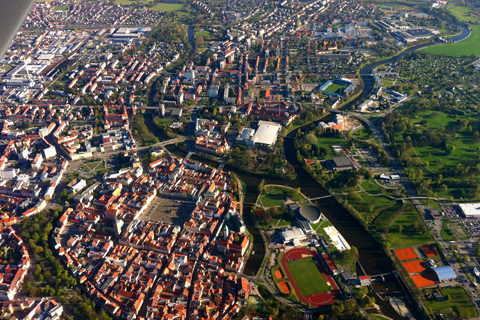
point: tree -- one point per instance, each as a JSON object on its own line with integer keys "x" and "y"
{"x": 63, "y": 196}
{"x": 261, "y": 185}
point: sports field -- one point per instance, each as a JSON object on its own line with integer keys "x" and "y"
{"x": 415, "y": 266}
{"x": 406, "y": 254}
{"x": 301, "y": 270}
{"x": 424, "y": 280}
{"x": 463, "y": 48}
{"x": 278, "y": 274}
{"x": 429, "y": 250}
{"x": 336, "y": 88}
{"x": 307, "y": 276}
{"x": 283, "y": 286}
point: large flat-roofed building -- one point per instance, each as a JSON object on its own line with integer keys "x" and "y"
{"x": 340, "y": 164}
{"x": 246, "y": 137}
{"x": 413, "y": 35}
{"x": 470, "y": 210}
{"x": 267, "y": 133}
{"x": 293, "y": 234}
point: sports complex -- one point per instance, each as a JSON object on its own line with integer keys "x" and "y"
{"x": 309, "y": 278}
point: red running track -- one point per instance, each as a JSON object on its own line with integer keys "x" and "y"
{"x": 315, "y": 300}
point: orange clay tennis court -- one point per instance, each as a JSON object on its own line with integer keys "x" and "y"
{"x": 423, "y": 280}
{"x": 414, "y": 266}
{"x": 283, "y": 286}
{"x": 278, "y": 274}
{"x": 406, "y": 254}
{"x": 429, "y": 251}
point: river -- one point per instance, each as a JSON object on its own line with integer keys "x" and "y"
{"x": 12, "y": 14}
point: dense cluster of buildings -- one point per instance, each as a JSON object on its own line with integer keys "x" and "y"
{"x": 174, "y": 270}
{"x": 60, "y": 13}
{"x": 45, "y": 308}
{"x": 12, "y": 272}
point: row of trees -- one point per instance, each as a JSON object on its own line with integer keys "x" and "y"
{"x": 141, "y": 132}
{"x": 50, "y": 278}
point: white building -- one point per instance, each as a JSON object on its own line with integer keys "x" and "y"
{"x": 470, "y": 210}
{"x": 213, "y": 92}
{"x": 9, "y": 173}
{"x": 267, "y": 133}
{"x": 293, "y": 234}
{"x": 37, "y": 162}
{"x": 190, "y": 75}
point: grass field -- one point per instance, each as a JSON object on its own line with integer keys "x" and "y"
{"x": 327, "y": 143}
{"x": 307, "y": 276}
{"x": 255, "y": 302}
{"x": 463, "y": 48}
{"x": 459, "y": 230}
{"x": 376, "y": 210}
{"x": 463, "y": 14}
{"x": 436, "y": 160}
{"x": 124, "y": 2}
{"x": 272, "y": 200}
{"x": 363, "y": 134}
{"x": 206, "y": 34}
{"x": 94, "y": 167}
{"x": 168, "y": 7}
{"x": 275, "y": 195}
{"x": 409, "y": 236}
{"x": 457, "y": 304}
{"x": 446, "y": 232}
{"x": 61, "y": 8}
{"x": 336, "y": 88}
